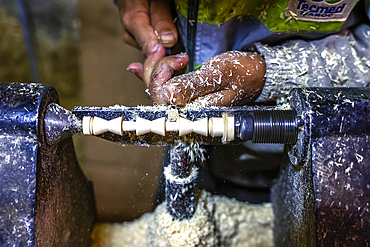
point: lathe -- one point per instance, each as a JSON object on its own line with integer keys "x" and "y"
{"x": 321, "y": 197}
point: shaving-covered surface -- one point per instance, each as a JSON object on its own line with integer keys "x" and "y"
{"x": 218, "y": 221}
{"x": 340, "y": 60}
{"x": 125, "y": 234}
{"x": 197, "y": 231}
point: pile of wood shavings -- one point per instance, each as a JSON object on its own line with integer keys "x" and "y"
{"x": 218, "y": 221}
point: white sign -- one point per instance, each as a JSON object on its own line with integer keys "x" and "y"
{"x": 320, "y": 10}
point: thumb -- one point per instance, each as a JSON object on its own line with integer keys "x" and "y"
{"x": 136, "y": 22}
{"x": 162, "y": 74}
{"x": 161, "y": 21}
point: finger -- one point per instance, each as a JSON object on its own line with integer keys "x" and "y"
{"x": 155, "y": 55}
{"x": 181, "y": 89}
{"x": 226, "y": 97}
{"x": 162, "y": 74}
{"x": 176, "y": 62}
{"x": 210, "y": 90}
{"x": 239, "y": 72}
{"x": 130, "y": 40}
{"x": 162, "y": 22}
{"x": 137, "y": 69}
{"x": 155, "y": 59}
{"x": 135, "y": 19}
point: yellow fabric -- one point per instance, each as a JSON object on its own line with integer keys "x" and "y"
{"x": 270, "y": 12}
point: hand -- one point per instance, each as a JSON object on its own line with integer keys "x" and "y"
{"x": 149, "y": 28}
{"x": 156, "y": 63}
{"x": 231, "y": 78}
{"x": 145, "y": 25}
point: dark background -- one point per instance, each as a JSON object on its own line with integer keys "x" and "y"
{"x": 79, "y": 50}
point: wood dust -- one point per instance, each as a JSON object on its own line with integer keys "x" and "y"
{"x": 218, "y": 221}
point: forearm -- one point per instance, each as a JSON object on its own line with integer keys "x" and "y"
{"x": 336, "y": 60}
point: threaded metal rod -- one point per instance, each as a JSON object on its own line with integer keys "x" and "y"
{"x": 269, "y": 126}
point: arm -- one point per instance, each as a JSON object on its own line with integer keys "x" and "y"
{"x": 337, "y": 60}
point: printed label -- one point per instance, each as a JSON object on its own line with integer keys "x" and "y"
{"x": 320, "y": 10}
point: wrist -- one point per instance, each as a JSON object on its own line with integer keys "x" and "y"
{"x": 282, "y": 72}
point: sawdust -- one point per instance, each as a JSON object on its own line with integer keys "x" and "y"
{"x": 218, "y": 221}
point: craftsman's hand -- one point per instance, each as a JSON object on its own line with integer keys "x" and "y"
{"x": 231, "y": 78}
{"x": 149, "y": 28}
{"x": 155, "y": 62}
{"x": 145, "y": 25}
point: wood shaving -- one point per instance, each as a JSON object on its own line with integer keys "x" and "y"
{"x": 218, "y": 221}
